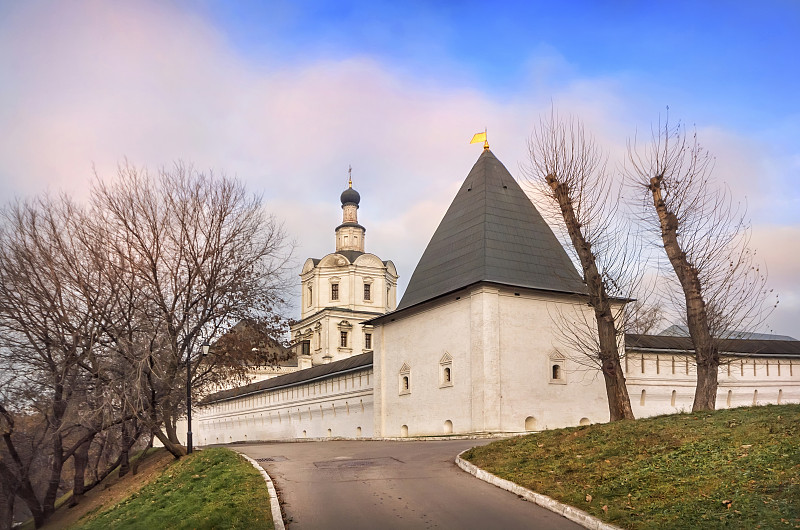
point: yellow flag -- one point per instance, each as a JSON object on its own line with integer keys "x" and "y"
{"x": 478, "y": 137}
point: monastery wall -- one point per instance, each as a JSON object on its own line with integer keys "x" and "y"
{"x": 512, "y": 378}
{"x": 339, "y": 406}
{"x": 665, "y": 383}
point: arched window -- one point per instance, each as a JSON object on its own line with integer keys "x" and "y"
{"x": 446, "y": 371}
{"x": 555, "y": 372}
{"x": 405, "y": 379}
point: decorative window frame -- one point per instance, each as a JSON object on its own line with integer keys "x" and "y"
{"x": 446, "y": 371}
{"x": 367, "y": 282}
{"x": 404, "y": 380}
{"x": 558, "y": 360}
{"x": 337, "y": 281}
{"x": 345, "y": 326}
{"x": 367, "y": 330}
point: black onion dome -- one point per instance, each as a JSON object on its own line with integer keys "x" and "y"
{"x": 350, "y": 196}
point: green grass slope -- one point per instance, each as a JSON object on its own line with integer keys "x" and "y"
{"x": 213, "y": 488}
{"x": 736, "y": 468}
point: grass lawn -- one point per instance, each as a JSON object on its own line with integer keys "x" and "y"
{"x": 213, "y": 488}
{"x": 736, "y": 468}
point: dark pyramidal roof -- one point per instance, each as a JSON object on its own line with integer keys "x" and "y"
{"x": 491, "y": 232}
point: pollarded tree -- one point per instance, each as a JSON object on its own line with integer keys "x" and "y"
{"x": 568, "y": 168}
{"x": 706, "y": 239}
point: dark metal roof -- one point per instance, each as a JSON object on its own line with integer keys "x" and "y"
{"x": 351, "y": 255}
{"x": 356, "y": 362}
{"x": 775, "y": 348}
{"x": 491, "y": 232}
{"x": 683, "y": 331}
{"x": 350, "y": 196}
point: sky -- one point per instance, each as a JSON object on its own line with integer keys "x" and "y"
{"x": 286, "y": 95}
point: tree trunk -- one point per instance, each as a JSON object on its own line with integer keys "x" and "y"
{"x": 619, "y": 403}
{"x": 705, "y": 395}
{"x": 57, "y": 464}
{"x": 135, "y": 465}
{"x": 170, "y": 425}
{"x": 19, "y": 482}
{"x": 59, "y": 408}
{"x": 176, "y": 449}
{"x": 6, "y": 506}
{"x": 80, "y": 460}
{"x": 124, "y": 458}
{"x": 705, "y": 349}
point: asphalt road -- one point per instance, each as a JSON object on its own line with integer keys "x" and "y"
{"x": 382, "y": 485}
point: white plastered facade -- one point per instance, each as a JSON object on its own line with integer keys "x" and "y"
{"x": 500, "y": 347}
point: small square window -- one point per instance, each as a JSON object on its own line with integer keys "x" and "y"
{"x": 367, "y": 292}
{"x": 334, "y": 291}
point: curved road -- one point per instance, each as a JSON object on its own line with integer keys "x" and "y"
{"x": 380, "y": 485}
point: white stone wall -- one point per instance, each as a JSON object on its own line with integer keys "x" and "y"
{"x": 668, "y": 382}
{"x": 502, "y": 347}
{"x": 339, "y": 406}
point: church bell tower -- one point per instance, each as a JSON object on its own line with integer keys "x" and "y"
{"x": 340, "y": 291}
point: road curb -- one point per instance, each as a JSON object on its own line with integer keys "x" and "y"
{"x": 565, "y": 510}
{"x": 274, "y": 505}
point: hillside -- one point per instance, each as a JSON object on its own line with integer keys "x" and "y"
{"x": 735, "y": 468}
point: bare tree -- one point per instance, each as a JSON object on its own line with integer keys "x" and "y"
{"x": 568, "y": 168}
{"x": 642, "y": 317}
{"x": 200, "y": 254}
{"x": 101, "y": 308}
{"x": 47, "y": 334}
{"x": 706, "y": 239}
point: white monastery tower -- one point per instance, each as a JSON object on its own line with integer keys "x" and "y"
{"x": 340, "y": 291}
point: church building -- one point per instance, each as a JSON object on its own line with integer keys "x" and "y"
{"x": 474, "y": 345}
{"x": 340, "y": 291}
